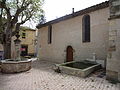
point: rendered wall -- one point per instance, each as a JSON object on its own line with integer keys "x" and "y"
{"x": 29, "y": 40}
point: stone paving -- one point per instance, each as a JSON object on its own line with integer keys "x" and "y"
{"x": 42, "y": 77}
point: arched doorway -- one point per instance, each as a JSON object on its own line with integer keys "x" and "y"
{"x": 69, "y": 54}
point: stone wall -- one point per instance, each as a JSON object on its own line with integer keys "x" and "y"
{"x": 114, "y": 7}
{"x": 69, "y": 32}
{"x": 113, "y": 59}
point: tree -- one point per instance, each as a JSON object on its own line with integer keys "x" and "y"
{"x": 14, "y": 13}
{"x": 42, "y": 19}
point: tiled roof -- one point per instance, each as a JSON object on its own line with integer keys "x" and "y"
{"x": 78, "y": 13}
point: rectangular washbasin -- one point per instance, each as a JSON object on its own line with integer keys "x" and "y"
{"x": 78, "y": 68}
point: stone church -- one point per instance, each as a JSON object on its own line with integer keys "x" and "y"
{"x": 94, "y": 31}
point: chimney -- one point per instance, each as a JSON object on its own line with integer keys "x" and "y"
{"x": 72, "y": 10}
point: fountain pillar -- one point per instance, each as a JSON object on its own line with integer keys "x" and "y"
{"x": 17, "y": 47}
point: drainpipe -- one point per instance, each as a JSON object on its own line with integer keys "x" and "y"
{"x": 72, "y": 10}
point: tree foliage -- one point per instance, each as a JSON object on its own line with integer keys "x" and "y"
{"x": 14, "y": 13}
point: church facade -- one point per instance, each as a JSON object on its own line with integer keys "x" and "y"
{"x": 94, "y": 31}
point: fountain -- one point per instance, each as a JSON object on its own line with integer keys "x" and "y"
{"x": 80, "y": 68}
{"x": 17, "y": 64}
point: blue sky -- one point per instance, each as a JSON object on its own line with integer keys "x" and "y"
{"x": 57, "y": 8}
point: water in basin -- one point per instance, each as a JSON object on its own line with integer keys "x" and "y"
{"x": 80, "y": 65}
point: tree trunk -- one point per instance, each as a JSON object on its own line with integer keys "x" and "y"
{"x": 7, "y": 50}
{"x": 7, "y": 44}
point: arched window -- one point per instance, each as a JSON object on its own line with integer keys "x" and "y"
{"x": 49, "y": 34}
{"x": 86, "y": 28}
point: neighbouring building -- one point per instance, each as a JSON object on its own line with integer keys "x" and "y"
{"x": 77, "y": 36}
{"x": 28, "y": 46}
{"x": 27, "y": 37}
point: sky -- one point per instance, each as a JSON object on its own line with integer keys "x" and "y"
{"x": 57, "y": 8}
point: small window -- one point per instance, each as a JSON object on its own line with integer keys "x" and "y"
{"x": 86, "y": 28}
{"x": 49, "y": 34}
{"x": 23, "y": 35}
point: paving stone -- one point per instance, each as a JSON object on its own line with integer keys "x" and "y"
{"x": 43, "y": 77}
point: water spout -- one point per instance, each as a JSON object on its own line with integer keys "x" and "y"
{"x": 94, "y": 57}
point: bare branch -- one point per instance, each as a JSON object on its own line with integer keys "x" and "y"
{"x": 17, "y": 3}
{"x": 26, "y": 18}
{"x": 1, "y": 12}
{"x": 23, "y": 21}
{"x": 1, "y": 22}
{"x": 23, "y": 3}
{"x": 22, "y": 15}
{"x": 3, "y": 5}
{"x": 0, "y": 4}
{"x": 17, "y": 29}
{"x": 19, "y": 10}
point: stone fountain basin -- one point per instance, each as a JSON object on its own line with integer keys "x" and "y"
{"x": 78, "y": 68}
{"x": 11, "y": 66}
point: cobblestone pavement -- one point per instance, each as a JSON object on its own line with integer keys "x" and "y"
{"x": 42, "y": 77}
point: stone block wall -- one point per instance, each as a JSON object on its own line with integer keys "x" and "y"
{"x": 113, "y": 58}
